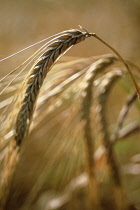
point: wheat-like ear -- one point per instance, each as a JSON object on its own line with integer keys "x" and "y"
{"x": 123, "y": 113}
{"x": 102, "y": 92}
{"x": 32, "y": 86}
{"x": 127, "y": 131}
{"x": 87, "y": 94}
{"x": 37, "y": 75}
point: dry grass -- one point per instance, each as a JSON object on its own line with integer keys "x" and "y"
{"x": 63, "y": 117}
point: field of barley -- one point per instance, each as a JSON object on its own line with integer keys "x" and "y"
{"x": 69, "y": 105}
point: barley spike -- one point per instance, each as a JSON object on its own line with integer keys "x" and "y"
{"x": 37, "y": 75}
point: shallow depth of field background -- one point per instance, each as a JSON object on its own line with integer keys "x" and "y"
{"x": 24, "y": 22}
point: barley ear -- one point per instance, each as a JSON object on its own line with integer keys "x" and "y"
{"x": 123, "y": 113}
{"x": 87, "y": 94}
{"x": 102, "y": 93}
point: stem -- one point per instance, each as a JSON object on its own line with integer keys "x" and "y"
{"x": 123, "y": 61}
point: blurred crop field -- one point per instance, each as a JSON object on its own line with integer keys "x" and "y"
{"x": 51, "y": 173}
